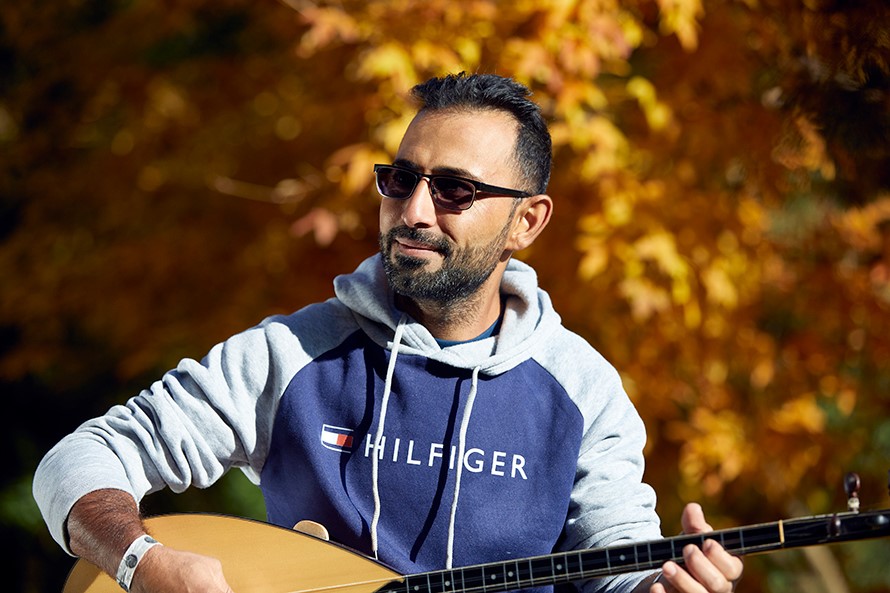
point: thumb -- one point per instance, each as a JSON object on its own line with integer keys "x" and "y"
{"x": 693, "y": 519}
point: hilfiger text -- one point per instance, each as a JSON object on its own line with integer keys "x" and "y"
{"x": 410, "y": 452}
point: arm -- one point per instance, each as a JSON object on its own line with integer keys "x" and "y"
{"x": 611, "y": 505}
{"x": 185, "y": 430}
{"x": 103, "y": 523}
{"x": 710, "y": 569}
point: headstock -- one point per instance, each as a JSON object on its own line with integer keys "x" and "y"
{"x": 852, "y": 484}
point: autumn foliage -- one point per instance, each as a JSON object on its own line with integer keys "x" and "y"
{"x": 170, "y": 173}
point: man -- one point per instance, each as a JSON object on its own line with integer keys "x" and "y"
{"x": 434, "y": 414}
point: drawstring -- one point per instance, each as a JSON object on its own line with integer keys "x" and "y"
{"x": 461, "y": 447}
{"x": 378, "y": 439}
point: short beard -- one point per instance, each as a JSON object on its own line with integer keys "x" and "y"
{"x": 462, "y": 274}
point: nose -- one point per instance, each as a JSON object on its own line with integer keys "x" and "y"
{"x": 419, "y": 210}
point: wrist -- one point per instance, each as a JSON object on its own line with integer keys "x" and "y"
{"x": 132, "y": 558}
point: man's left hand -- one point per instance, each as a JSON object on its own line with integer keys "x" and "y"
{"x": 709, "y": 569}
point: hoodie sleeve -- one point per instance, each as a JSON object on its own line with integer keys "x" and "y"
{"x": 610, "y": 504}
{"x": 187, "y": 429}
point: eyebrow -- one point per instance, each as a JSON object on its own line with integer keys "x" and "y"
{"x": 453, "y": 171}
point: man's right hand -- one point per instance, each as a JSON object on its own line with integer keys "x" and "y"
{"x": 166, "y": 570}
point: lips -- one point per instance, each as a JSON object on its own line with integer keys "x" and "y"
{"x": 416, "y": 242}
{"x": 407, "y": 246}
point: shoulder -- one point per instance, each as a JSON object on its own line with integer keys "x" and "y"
{"x": 316, "y": 322}
{"x": 592, "y": 382}
{"x": 575, "y": 363}
{"x": 286, "y": 342}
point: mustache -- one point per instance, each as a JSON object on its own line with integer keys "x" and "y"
{"x": 426, "y": 238}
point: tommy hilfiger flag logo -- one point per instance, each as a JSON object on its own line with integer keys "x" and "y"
{"x": 336, "y": 438}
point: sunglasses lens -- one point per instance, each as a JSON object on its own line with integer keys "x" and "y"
{"x": 448, "y": 192}
{"x": 453, "y": 193}
{"x": 396, "y": 183}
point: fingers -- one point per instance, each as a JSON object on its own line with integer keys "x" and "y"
{"x": 730, "y": 567}
{"x": 710, "y": 569}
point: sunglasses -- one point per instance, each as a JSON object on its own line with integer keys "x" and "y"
{"x": 448, "y": 191}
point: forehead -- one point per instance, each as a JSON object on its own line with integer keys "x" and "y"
{"x": 480, "y": 143}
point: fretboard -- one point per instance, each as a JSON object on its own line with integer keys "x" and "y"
{"x": 581, "y": 565}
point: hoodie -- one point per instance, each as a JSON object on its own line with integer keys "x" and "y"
{"x": 349, "y": 413}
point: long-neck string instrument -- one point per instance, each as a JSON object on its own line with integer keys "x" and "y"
{"x": 262, "y": 558}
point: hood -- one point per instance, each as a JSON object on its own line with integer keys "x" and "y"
{"x": 529, "y": 319}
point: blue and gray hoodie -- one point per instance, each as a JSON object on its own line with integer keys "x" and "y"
{"x": 349, "y": 413}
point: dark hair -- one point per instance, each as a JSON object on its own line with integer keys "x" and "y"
{"x": 490, "y": 91}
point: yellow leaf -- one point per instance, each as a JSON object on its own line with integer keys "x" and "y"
{"x": 658, "y": 115}
{"x": 389, "y": 61}
{"x": 618, "y": 208}
{"x": 719, "y": 286}
{"x": 680, "y": 17}
{"x": 661, "y": 248}
{"x": 646, "y": 298}
{"x": 715, "y": 448}
{"x": 326, "y": 25}
{"x": 593, "y": 262}
{"x": 802, "y": 414}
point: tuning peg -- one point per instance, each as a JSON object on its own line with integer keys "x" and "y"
{"x": 851, "y": 487}
{"x": 834, "y": 526}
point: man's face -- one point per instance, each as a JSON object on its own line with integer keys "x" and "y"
{"x": 436, "y": 255}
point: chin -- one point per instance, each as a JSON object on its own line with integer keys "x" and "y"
{"x": 408, "y": 262}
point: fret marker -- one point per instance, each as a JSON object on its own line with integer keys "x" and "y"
{"x": 447, "y": 583}
{"x": 416, "y": 587}
{"x": 494, "y": 577}
{"x": 559, "y": 567}
{"x": 621, "y": 557}
{"x": 510, "y": 574}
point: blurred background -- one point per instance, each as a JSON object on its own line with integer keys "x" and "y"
{"x": 173, "y": 172}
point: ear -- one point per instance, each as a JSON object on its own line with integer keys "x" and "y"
{"x": 531, "y": 216}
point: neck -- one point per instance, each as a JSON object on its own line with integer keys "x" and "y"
{"x": 456, "y": 321}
